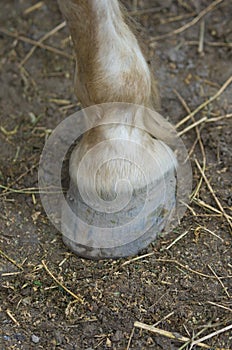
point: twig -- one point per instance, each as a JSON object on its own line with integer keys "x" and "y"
{"x": 137, "y": 258}
{"x": 190, "y": 208}
{"x": 23, "y": 190}
{"x": 176, "y": 18}
{"x": 186, "y": 107}
{"x": 45, "y": 37}
{"x": 190, "y": 127}
{"x": 177, "y": 239}
{"x": 32, "y": 8}
{"x": 204, "y": 104}
{"x": 7, "y": 274}
{"x": 130, "y": 339}
{"x": 170, "y": 335}
{"x": 21, "y": 176}
{"x": 198, "y": 139}
{"x": 201, "y": 37}
{"x": 181, "y": 29}
{"x": 12, "y": 317}
{"x": 35, "y": 43}
{"x": 168, "y": 261}
{"x": 59, "y": 101}
{"x": 29, "y": 190}
{"x": 208, "y": 215}
{"x": 189, "y": 342}
{"x": 65, "y": 108}
{"x": 184, "y": 267}
{"x": 202, "y": 204}
{"x": 225, "y": 329}
{"x": 219, "y": 280}
{"x": 76, "y": 297}
{"x": 219, "y": 305}
{"x": 198, "y": 186}
{"x": 213, "y": 194}
{"x": 10, "y": 259}
{"x": 164, "y": 318}
{"x": 218, "y": 43}
{"x": 185, "y": 4}
{"x": 210, "y": 43}
{"x": 216, "y": 119}
{"x": 191, "y": 115}
{"x": 9, "y": 132}
{"x": 207, "y": 230}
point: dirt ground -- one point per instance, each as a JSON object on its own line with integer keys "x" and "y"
{"x": 50, "y": 298}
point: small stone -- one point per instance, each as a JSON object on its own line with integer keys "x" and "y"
{"x": 35, "y": 339}
{"x": 108, "y": 343}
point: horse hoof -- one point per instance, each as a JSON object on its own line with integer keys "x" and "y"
{"x": 128, "y": 180}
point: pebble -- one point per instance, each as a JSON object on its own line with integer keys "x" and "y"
{"x": 35, "y": 339}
